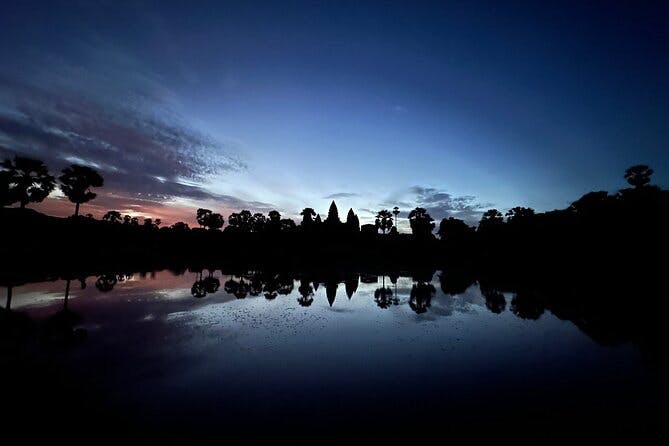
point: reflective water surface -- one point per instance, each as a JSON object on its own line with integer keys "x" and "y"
{"x": 196, "y": 352}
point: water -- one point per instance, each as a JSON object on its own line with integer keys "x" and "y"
{"x": 149, "y": 355}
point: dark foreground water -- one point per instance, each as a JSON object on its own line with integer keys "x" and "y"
{"x": 299, "y": 357}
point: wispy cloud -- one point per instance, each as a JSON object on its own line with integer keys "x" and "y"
{"x": 122, "y": 124}
{"x": 341, "y": 195}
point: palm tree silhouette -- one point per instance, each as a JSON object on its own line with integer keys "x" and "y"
{"x": 396, "y": 212}
{"x": 106, "y": 282}
{"x": 26, "y": 181}
{"x": 384, "y": 296}
{"x": 76, "y": 182}
{"x": 306, "y": 293}
{"x": 384, "y": 220}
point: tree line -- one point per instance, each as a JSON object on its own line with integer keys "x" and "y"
{"x": 24, "y": 180}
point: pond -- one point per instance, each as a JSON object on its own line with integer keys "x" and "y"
{"x": 197, "y": 352}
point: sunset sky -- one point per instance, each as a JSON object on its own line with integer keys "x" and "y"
{"x": 452, "y": 106}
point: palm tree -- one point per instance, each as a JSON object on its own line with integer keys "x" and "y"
{"x": 384, "y": 220}
{"x": 639, "y": 175}
{"x": 27, "y": 181}
{"x": 396, "y": 212}
{"x": 76, "y": 182}
{"x": 112, "y": 216}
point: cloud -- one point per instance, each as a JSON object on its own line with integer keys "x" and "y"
{"x": 147, "y": 155}
{"x": 341, "y": 195}
{"x": 441, "y": 204}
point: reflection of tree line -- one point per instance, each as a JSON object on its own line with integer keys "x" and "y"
{"x": 601, "y": 310}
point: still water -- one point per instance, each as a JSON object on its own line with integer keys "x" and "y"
{"x": 293, "y": 354}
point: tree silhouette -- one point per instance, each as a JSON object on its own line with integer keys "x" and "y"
{"x": 76, "y": 181}
{"x": 288, "y": 225}
{"x": 202, "y": 216}
{"x": 491, "y": 218}
{"x": 454, "y": 229}
{"x": 215, "y": 222}
{"x": 519, "y": 214}
{"x": 396, "y": 212}
{"x": 421, "y": 223}
{"x": 384, "y": 220}
{"x": 112, "y": 217}
{"x": 241, "y": 222}
{"x": 274, "y": 221}
{"x": 258, "y": 222}
{"x": 308, "y": 215}
{"x": 639, "y": 175}
{"x": 180, "y": 227}
{"x": 592, "y": 203}
{"x": 26, "y": 181}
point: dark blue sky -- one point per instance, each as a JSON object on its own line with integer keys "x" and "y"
{"x": 455, "y": 106}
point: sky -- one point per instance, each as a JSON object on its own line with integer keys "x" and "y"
{"x": 456, "y": 107}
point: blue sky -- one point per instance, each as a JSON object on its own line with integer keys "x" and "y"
{"x": 455, "y": 106}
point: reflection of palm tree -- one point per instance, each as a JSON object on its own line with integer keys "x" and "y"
{"x": 494, "y": 299}
{"x": 421, "y": 297}
{"x": 13, "y": 326}
{"x": 239, "y": 289}
{"x": 211, "y": 283}
{"x": 306, "y": 293}
{"x": 106, "y": 282}
{"x": 384, "y": 297}
{"x": 76, "y": 182}
{"x": 62, "y": 326}
{"x": 286, "y": 285}
{"x": 201, "y": 287}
